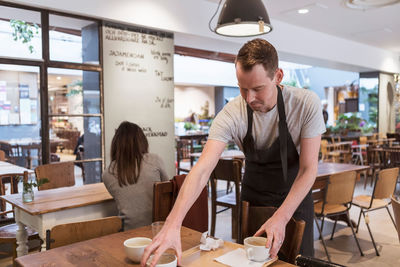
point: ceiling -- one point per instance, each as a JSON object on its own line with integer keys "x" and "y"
{"x": 379, "y": 27}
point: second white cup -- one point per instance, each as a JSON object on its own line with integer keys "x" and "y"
{"x": 255, "y": 248}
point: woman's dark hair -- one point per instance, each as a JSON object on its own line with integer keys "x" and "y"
{"x": 128, "y": 146}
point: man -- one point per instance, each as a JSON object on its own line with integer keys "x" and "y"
{"x": 271, "y": 124}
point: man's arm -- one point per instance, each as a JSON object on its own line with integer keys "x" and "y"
{"x": 169, "y": 236}
{"x": 276, "y": 225}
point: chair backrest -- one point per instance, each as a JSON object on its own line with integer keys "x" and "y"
{"x": 396, "y": 211}
{"x": 324, "y": 144}
{"x": 340, "y": 188}
{"x": 363, "y": 140}
{"x": 164, "y": 196}
{"x": 163, "y": 200}
{"x": 12, "y": 179}
{"x": 386, "y": 183}
{"x": 65, "y": 234}
{"x": 183, "y": 149}
{"x": 252, "y": 219}
{"x": 59, "y": 174}
{"x": 2, "y": 155}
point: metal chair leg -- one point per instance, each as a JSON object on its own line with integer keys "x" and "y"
{"x": 354, "y": 234}
{"x": 333, "y": 230}
{"x": 322, "y": 239}
{"x": 391, "y": 217}
{"x": 359, "y": 220}
{"x": 322, "y": 226}
{"x": 370, "y": 233}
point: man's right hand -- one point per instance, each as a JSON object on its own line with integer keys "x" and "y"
{"x": 168, "y": 237}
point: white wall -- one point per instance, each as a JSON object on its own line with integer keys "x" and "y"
{"x": 190, "y": 99}
{"x": 188, "y": 19}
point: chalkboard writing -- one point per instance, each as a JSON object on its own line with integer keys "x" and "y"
{"x": 117, "y": 53}
{"x": 161, "y": 55}
{"x": 148, "y": 132}
{"x": 165, "y": 102}
{"x": 162, "y": 77}
{"x": 113, "y": 34}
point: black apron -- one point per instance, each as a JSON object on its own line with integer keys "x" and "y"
{"x": 270, "y": 173}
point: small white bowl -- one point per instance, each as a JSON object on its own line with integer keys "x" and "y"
{"x": 134, "y": 247}
{"x": 166, "y": 260}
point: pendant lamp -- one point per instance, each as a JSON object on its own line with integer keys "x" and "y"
{"x": 241, "y": 18}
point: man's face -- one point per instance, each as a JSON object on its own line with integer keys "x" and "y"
{"x": 257, "y": 87}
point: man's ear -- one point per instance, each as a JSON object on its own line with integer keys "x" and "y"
{"x": 278, "y": 76}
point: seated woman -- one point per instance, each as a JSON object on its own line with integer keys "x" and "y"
{"x": 132, "y": 173}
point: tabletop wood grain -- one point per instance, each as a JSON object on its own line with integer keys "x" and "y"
{"x": 328, "y": 168}
{"x": 52, "y": 200}
{"x": 109, "y": 251}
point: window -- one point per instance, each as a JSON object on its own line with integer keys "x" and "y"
{"x": 70, "y": 126}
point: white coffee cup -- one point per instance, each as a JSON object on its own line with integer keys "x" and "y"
{"x": 255, "y": 248}
{"x": 166, "y": 260}
{"x": 134, "y": 247}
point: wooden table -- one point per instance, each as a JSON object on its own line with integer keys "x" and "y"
{"x": 109, "y": 251}
{"x": 8, "y": 168}
{"x": 57, "y": 206}
{"x": 226, "y": 154}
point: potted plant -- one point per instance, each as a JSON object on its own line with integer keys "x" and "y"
{"x": 27, "y": 192}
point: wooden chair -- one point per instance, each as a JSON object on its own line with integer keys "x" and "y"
{"x": 164, "y": 196}
{"x": 396, "y": 211}
{"x": 252, "y": 219}
{"x": 8, "y": 233}
{"x": 337, "y": 201}
{"x": 384, "y": 187}
{"x": 2, "y": 155}
{"x": 12, "y": 152}
{"x": 59, "y": 174}
{"x": 183, "y": 150}
{"x": 327, "y": 155}
{"x": 65, "y": 234}
{"x": 229, "y": 170}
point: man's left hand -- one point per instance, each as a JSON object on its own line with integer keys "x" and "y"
{"x": 275, "y": 228}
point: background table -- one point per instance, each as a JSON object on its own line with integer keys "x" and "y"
{"x": 109, "y": 251}
{"x": 57, "y": 206}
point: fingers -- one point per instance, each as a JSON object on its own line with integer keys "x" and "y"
{"x": 270, "y": 238}
{"x": 147, "y": 252}
{"x": 276, "y": 245}
{"x": 178, "y": 253}
{"x": 156, "y": 256}
{"x": 260, "y": 231}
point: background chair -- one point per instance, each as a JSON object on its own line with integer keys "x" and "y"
{"x": 229, "y": 170}
{"x": 328, "y": 155}
{"x": 183, "y": 150}
{"x": 164, "y": 196}
{"x": 8, "y": 233}
{"x": 2, "y": 155}
{"x": 65, "y": 234}
{"x": 396, "y": 211}
{"x": 337, "y": 201}
{"x": 59, "y": 174}
{"x": 252, "y": 219}
{"x": 384, "y": 188}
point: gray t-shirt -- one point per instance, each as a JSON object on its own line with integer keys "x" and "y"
{"x": 303, "y": 116}
{"x": 135, "y": 201}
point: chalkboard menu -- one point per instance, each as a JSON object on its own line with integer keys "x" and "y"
{"x": 139, "y": 86}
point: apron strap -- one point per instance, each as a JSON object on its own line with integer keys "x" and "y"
{"x": 283, "y": 131}
{"x": 248, "y": 141}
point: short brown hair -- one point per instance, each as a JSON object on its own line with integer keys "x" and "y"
{"x": 128, "y": 146}
{"x": 258, "y": 51}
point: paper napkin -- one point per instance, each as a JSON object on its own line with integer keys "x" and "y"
{"x": 208, "y": 243}
{"x": 238, "y": 258}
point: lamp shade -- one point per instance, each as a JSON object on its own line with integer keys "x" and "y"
{"x": 242, "y": 18}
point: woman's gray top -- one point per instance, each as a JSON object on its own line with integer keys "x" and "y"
{"x": 135, "y": 201}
